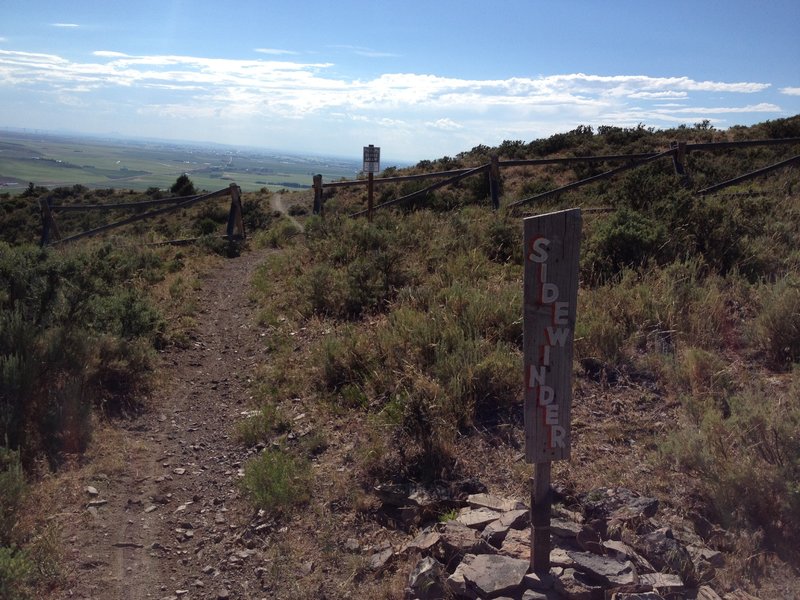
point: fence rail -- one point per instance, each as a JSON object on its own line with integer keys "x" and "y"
{"x": 678, "y": 151}
{"x": 235, "y": 228}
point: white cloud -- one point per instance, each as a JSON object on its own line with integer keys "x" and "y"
{"x": 791, "y": 91}
{"x": 274, "y": 51}
{"x": 365, "y": 52}
{"x": 666, "y": 95}
{"x": 108, "y": 54}
{"x": 444, "y": 124}
{"x": 65, "y": 25}
{"x": 277, "y": 89}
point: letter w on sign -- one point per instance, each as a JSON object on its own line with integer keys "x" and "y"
{"x": 552, "y": 248}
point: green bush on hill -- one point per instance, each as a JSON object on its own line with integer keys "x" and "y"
{"x": 74, "y": 332}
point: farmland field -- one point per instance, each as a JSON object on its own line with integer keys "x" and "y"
{"x": 51, "y": 160}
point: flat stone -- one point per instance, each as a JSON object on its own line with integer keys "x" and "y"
{"x": 493, "y": 502}
{"x": 662, "y": 582}
{"x": 539, "y": 583}
{"x": 517, "y": 544}
{"x": 92, "y": 491}
{"x": 573, "y": 586}
{"x": 425, "y": 581}
{"x": 532, "y": 595}
{"x": 622, "y": 551}
{"x": 477, "y": 518}
{"x": 665, "y": 553}
{"x": 492, "y": 575}
{"x": 458, "y": 540}
{"x": 564, "y": 529}
{"x": 739, "y": 595}
{"x": 456, "y": 583}
{"x": 496, "y": 531}
{"x": 714, "y": 557}
{"x": 378, "y": 560}
{"x": 706, "y": 593}
{"x": 424, "y": 543}
{"x": 561, "y": 558}
{"x": 604, "y": 570}
{"x": 517, "y": 519}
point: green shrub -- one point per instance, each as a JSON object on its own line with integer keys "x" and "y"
{"x": 75, "y": 331}
{"x": 12, "y": 492}
{"x": 15, "y": 574}
{"x": 748, "y": 462}
{"x": 275, "y": 481}
{"x": 626, "y": 239}
{"x": 258, "y": 427}
{"x": 775, "y": 331}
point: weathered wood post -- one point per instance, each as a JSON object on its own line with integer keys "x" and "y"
{"x": 370, "y": 195}
{"x": 49, "y": 226}
{"x": 552, "y": 244}
{"x": 494, "y": 181}
{"x": 235, "y": 223}
{"x": 679, "y": 161}
{"x": 317, "y": 194}
{"x": 372, "y": 165}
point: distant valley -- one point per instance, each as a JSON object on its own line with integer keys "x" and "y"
{"x": 53, "y": 160}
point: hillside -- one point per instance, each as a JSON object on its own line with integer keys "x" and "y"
{"x": 375, "y": 357}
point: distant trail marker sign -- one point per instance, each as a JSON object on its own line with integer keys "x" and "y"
{"x": 552, "y": 248}
{"x": 372, "y": 159}
{"x": 372, "y": 165}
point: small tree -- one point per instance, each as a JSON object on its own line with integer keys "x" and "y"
{"x": 183, "y": 186}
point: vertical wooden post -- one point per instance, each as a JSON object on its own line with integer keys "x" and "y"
{"x": 370, "y": 194}
{"x": 551, "y": 251}
{"x": 494, "y": 181}
{"x": 49, "y": 226}
{"x": 317, "y": 194}
{"x": 679, "y": 161}
{"x": 540, "y": 518}
{"x": 235, "y": 223}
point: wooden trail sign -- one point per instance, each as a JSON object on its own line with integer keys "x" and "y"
{"x": 552, "y": 245}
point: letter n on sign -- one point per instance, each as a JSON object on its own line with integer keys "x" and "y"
{"x": 552, "y": 247}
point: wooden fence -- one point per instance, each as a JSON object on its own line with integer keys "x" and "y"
{"x": 52, "y": 236}
{"x": 678, "y": 151}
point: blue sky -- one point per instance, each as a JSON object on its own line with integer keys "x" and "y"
{"x": 419, "y": 79}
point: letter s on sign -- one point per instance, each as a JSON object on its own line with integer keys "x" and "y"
{"x": 539, "y": 247}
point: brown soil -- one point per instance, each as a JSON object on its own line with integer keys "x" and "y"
{"x": 170, "y": 518}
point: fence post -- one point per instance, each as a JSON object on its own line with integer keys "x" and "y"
{"x": 48, "y": 222}
{"x": 678, "y": 161}
{"x": 317, "y": 194}
{"x": 494, "y": 181}
{"x": 235, "y": 223}
{"x": 370, "y": 194}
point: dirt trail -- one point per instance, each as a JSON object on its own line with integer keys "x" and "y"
{"x": 170, "y": 525}
{"x": 277, "y": 202}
